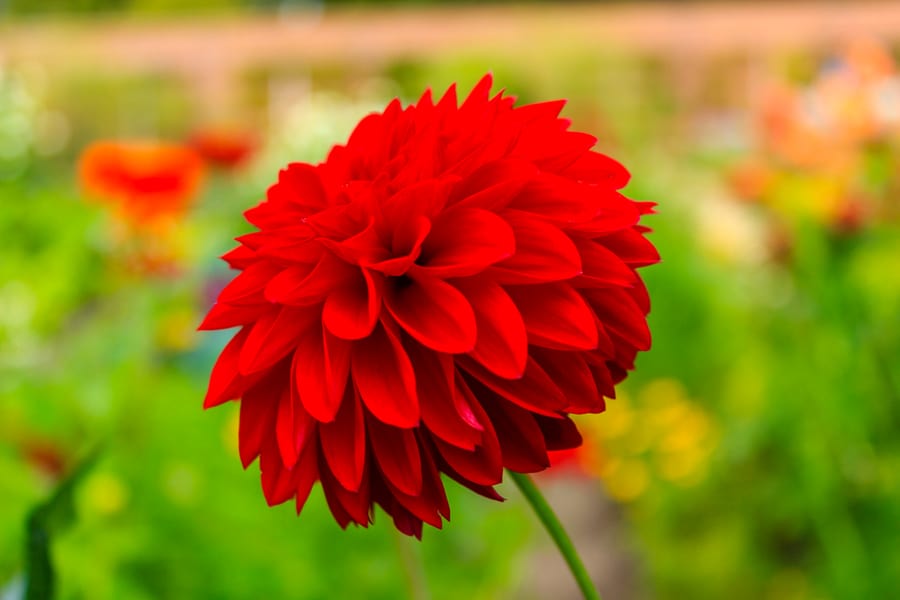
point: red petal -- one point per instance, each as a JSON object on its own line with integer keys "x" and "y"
{"x": 351, "y": 313}
{"x": 535, "y": 391}
{"x": 493, "y": 185}
{"x": 278, "y": 482}
{"x": 397, "y": 453}
{"x": 307, "y": 469}
{"x": 447, "y": 414}
{"x": 481, "y": 466}
{"x": 225, "y": 381}
{"x": 559, "y": 434}
{"x": 347, "y": 506}
{"x": 556, "y": 316}
{"x": 257, "y": 419}
{"x": 344, "y": 443}
{"x": 406, "y": 245}
{"x": 594, "y": 167}
{"x": 240, "y": 257}
{"x": 433, "y": 312}
{"x": 543, "y": 253}
{"x": 621, "y": 315}
{"x": 464, "y": 242}
{"x": 299, "y": 184}
{"x": 615, "y": 212}
{"x": 602, "y": 267}
{"x": 320, "y": 371}
{"x": 553, "y": 197}
{"x": 293, "y": 427}
{"x": 248, "y": 286}
{"x": 274, "y": 336}
{"x": 384, "y": 376}
{"x": 502, "y": 344}
{"x": 571, "y": 374}
{"x": 300, "y": 285}
{"x": 225, "y": 316}
{"x": 631, "y": 247}
{"x": 521, "y": 440}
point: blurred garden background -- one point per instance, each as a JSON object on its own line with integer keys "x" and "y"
{"x": 754, "y": 453}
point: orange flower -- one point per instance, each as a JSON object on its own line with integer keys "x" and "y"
{"x": 145, "y": 180}
{"x": 224, "y": 147}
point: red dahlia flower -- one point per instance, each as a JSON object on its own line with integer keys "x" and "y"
{"x": 435, "y": 298}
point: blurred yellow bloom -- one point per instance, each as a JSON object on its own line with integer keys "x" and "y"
{"x": 105, "y": 494}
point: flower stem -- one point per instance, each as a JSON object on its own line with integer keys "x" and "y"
{"x": 555, "y": 529}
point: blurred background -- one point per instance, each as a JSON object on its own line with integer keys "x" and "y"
{"x": 753, "y": 454}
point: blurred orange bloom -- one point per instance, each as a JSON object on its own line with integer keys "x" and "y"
{"x": 224, "y": 147}
{"x": 145, "y": 180}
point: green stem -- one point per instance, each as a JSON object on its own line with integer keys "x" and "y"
{"x": 412, "y": 565}
{"x": 555, "y": 529}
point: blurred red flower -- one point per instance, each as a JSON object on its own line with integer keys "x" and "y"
{"x": 144, "y": 180}
{"x": 436, "y": 297}
{"x": 224, "y": 147}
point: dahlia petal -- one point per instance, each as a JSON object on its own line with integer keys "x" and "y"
{"x": 553, "y": 197}
{"x": 278, "y": 482}
{"x": 615, "y": 212}
{"x": 319, "y": 370}
{"x": 285, "y": 421}
{"x": 346, "y": 506}
{"x": 431, "y": 503}
{"x": 273, "y": 336}
{"x": 534, "y": 391}
{"x": 502, "y": 344}
{"x": 257, "y": 419}
{"x": 344, "y": 443}
{"x": 464, "y": 242}
{"x": 543, "y": 253}
{"x": 307, "y": 470}
{"x": 397, "y": 453}
{"x": 240, "y": 257}
{"x": 248, "y": 286}
{"x": 559, "y": 434}
{"x": 294, "y": 428}
{"x": 492, "y": 186}
{"x": 484, "y": 464}
{"x": 300, "y": 286}
{"x": 422, "y": 507}
{"x": 407, "y": 245}
{"x": 621, "y": 315}
{"x": 539, "y": 111}
{"x": 631, "y": 247}
{"x": 603, "y": 379}
{"x": 572, "y": 375}
{"x": 385, "y": 378}
{"x": 351, "y": 312}
{"x": 566, "y": 149}
{"x": 300, "y": 185}
{"x": 226, "y": 316}
{"x": 422, "y": 198}
{"x": 556, "y": 316}
{"x": 478, "y": 97}
{"x": 641, "y": 295}
{"x": 225, "y": 375}
{"x": 433, "y": 312}
{"x": 602, "y": 267}
{"x": 405, "y": 522}
{"x": 521, "y": 440}
{"x": 433, "y": 481}
{"x": 594, "y": 167}
{"x": 446, "y": 413}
